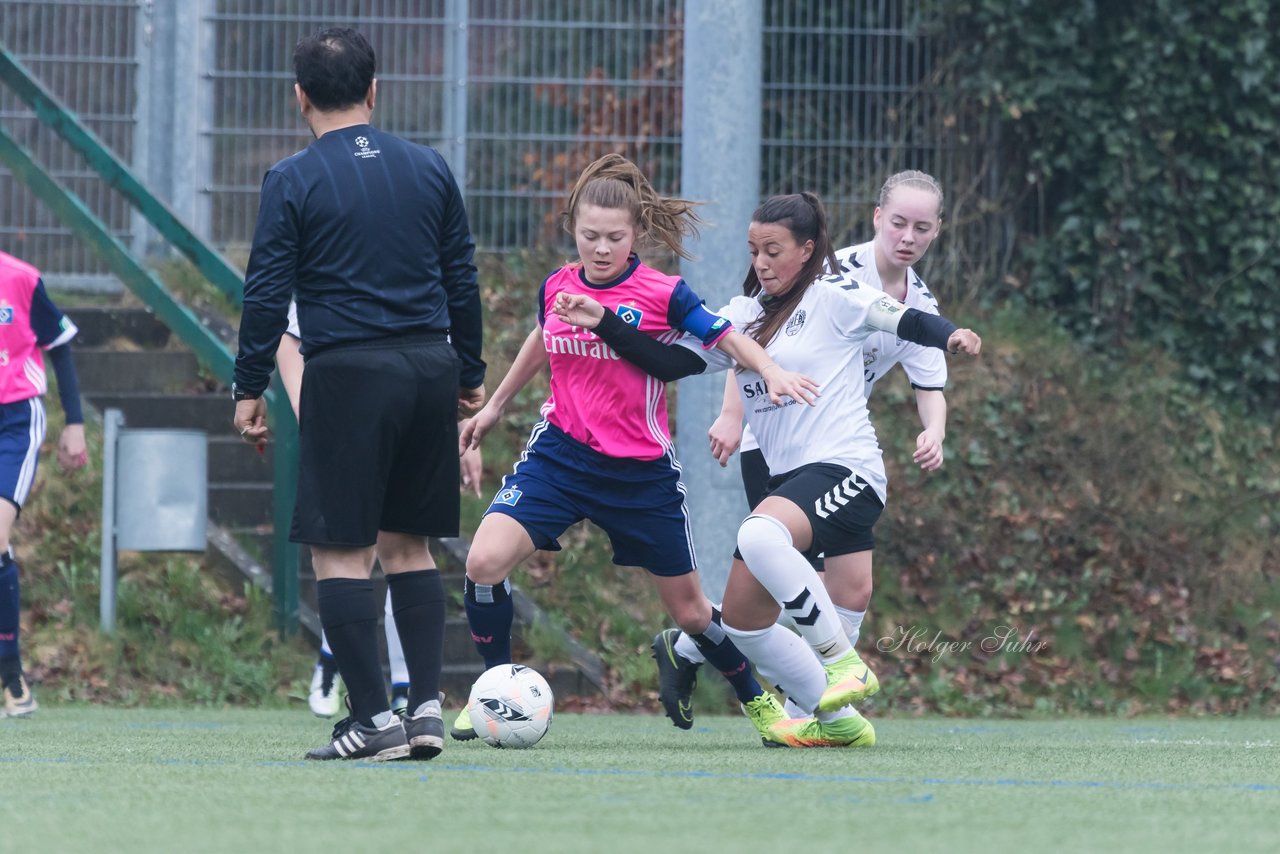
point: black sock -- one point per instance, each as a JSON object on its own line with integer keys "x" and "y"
{"x": 723, "y": 655}
{"x": 349, "y": 614}
{"x": 417, "y": 600}
{"x": 490, "y": 612}
{"x": 10, "y": 610}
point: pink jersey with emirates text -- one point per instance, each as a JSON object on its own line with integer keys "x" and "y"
{"x": 29, "y": 324}
{"x": 599, "y": 399}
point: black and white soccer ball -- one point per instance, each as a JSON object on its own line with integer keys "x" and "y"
{"x": 510, "y": 706}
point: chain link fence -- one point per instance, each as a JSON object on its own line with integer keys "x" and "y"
{"x": 87, "y": 54}
{"x": 518, "y": 95}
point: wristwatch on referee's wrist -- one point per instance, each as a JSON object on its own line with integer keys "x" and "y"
{"x": 238, "y": 394}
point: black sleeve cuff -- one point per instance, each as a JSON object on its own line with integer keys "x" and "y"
{"x": 928, "y": 330}
{"x": 666, "y": 362}
{"x": 68, "y": 383}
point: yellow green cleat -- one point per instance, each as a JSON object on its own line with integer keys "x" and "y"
{"x": 849, "y": 680}
{"x": 462, "y": 730}
{"x": 853, "y": 731}
{"x": 763, "y": 712}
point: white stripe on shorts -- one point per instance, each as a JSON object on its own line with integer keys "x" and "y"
{"x": 35, "y": 436}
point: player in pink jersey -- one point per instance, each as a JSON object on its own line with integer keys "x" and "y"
{"x": 828, "y": 483}
{"x": 603, "y": 450}
{"x": 30, "y": 324}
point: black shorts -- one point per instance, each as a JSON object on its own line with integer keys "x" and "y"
{"x": 755, "y": 476}
{"x": 841, "y": 506}
{"x": 379, "y": 442}
{"x": 755, "y": 482}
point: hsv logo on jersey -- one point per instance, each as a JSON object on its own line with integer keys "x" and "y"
{"x": 796, "y": 323}
{"x": 6, "y": 314}
{"x": 509, "y": 496}
{"x": 630, "y": 315}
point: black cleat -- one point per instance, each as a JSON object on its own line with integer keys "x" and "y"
{"x": 677, "y": 677}
{"x": 425, "y": 730}
{"x": 352, "y": 740}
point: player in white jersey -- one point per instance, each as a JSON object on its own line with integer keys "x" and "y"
{"x": 325, "y": 683}
{"x": 603, "y": 449}
{"x": 907, "y": 219}
{"x": 828, "y": 483}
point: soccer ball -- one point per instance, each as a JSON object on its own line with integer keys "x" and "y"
{"x": 510, "y": 706}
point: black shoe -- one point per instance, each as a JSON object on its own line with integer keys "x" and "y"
{"x": 677, "y": 677}
{"x": 425, "y": 730}
{"x": 353, "y": 740}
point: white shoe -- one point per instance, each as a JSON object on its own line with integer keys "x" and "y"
{"x": 324, "y": 699}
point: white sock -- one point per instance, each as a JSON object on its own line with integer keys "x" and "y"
{"x": 783, "y": 659}
{"x": 767, "y": 548}
{"x": 688, "y": 650}
{"x": 395, "y": 652}
{"x": 842, "y": 712}
{"x": 421, "y": 710}
{"x": 852, "y": 621}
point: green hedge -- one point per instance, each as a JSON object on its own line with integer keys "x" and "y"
{"x": 1147, "y": 134}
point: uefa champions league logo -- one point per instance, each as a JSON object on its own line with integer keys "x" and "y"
{"x": 362, "y": 142}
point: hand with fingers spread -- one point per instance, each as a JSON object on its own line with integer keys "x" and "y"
{"x": 725, "y": 435}
{"x": 471, "y": 468}
{"x": 783, "y": 383}
{"x": 474, "y": 429}
{"x": 928, "y": 454}
{"x": 578, "y": 310}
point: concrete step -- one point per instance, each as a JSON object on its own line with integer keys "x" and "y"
{"x": 230, "y": 459}
{"x": 103, "y": 325}
{"x": 103, "y": 371}
{"x": 241, "y": 504}
{"x": 210, "y": 412}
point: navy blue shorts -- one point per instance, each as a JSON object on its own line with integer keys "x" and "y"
{"x": 22, "y": 428}
{"x": 640, "y": 504}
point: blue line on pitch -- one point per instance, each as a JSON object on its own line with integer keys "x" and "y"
{"x": 786, "y": 776}
{"x": 791, "y": 776}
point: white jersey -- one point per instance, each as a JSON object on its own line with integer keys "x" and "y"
{"x": 926, "y": 367}
{"x": 293, "y": 328}
{"x": 822, "y": 339}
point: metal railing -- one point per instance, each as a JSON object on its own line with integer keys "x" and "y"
{"x": 71, "y": 210}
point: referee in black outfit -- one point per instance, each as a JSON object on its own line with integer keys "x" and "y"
{"x": 369, "y": 233}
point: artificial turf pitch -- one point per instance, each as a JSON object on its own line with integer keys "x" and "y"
{"x": 96, "y": 779}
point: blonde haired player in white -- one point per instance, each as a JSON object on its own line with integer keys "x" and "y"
{"x": 828, "y": 483}
{"x": 325, "y": 682}
{"x": 907, "y": 219}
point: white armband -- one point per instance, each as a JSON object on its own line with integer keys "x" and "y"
{"x": 885, "y": 314}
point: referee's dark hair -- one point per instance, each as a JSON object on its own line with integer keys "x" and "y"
{"x": 334, "y": 67}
